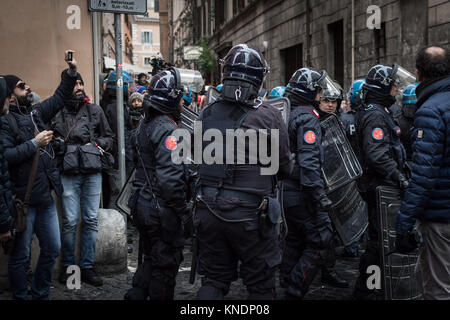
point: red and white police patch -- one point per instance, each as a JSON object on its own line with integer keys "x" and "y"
{"x": 378, "y": 134}
{"x": 309, "y": 137}
{"x": 170, "y": 143}
{"x": 398, "y": 131}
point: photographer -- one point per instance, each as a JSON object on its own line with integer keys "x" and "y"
{"x": 84, "y": 135}
{"x": 26, "y": 137}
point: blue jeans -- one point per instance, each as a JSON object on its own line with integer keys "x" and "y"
{"x": 80, "y": 192}
{"x": 43, "y": 222}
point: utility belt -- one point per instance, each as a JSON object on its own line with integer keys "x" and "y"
{"x": 268, "y": 212}
{"x": 230, "y": 194}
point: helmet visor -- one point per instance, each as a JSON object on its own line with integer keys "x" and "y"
{"x": 329, "y": 88}
{"x": 403, "y": 78}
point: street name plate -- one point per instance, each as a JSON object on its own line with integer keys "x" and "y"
{"x": 119, "y": 6}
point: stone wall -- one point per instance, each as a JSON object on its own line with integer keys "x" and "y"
{"x": 406, "y": 25}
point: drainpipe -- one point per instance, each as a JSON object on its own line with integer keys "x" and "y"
{"x": 308, "y": 38}
{"x": 353, "y": 41}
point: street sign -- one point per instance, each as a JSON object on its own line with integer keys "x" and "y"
{"x": 192, "y": 52}
{"x": 119, "y": 6}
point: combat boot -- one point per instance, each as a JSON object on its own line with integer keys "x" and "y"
{"x": 90, "y": 276}
{"x": 331, "y": 278}
{"x": 63, "y": 276}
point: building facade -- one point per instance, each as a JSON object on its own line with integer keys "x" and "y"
{"x": 108, "y": 37}
{"x": 146, "y": 37}
{"x": 345, "y": 37}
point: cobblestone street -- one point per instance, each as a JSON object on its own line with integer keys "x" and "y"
{"x": 115, "y": 286}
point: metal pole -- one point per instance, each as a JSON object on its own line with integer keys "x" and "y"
{"x": 95, "y": 31}
{"x": 308, "y": 30}
{"x": 119, "y": 95}
{"x": 353, "y": 41}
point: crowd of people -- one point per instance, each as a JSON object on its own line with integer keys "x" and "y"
{"x": 396, "y": 124}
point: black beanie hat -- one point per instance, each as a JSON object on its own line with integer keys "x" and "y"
{"x": 80, "y": 78}
{"x": 11, "y": 81}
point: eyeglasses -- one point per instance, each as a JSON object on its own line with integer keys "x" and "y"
{"x": 21, "y": 85}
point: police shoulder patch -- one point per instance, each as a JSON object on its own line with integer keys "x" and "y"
{"x": 309, "y": 137}
{"x": 170, "y": 143}
{"x": 378, "y": 134}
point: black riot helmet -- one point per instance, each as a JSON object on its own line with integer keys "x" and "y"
{"x": 381, "y": 78}
{"x": 165, "y": 91}
{"x": 307, "y": 82}
{"x": 243, "y": 72}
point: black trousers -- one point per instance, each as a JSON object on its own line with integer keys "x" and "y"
{"x": 371, "y": 255}
{"x": 309, "y": 236}
{"x": 161, "y": 235}
{"x": 223, "y": 243}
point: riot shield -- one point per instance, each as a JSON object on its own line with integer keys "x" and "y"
{"x": 340, "y": 170}
{"x": 341, "y": 164}
{"x": 398, "y": 281}
{"x": 124, "y": 196}
{"x": 348, "y": 213}
{"x": 282, "y": 104}
{"x": 187, "y": 119}
{"x": 212, "y": 95}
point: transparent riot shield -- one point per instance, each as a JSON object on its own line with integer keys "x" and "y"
{"x": 348, "y": 213}
{"x": 212, "y": 95}
{"x": 124, "y": 196}
{"x": 282, "y": 104}
{"x": 341, "y": 164}
{"x": 187, "y": 119}
{"x": 340, "y": 170}
{"x": 399, "y": 281}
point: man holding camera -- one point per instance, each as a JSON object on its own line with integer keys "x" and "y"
{"x": 26, "y": 137}
{"x": 83, "y": 136}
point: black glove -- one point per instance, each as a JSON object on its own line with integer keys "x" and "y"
{"x": 325, "y": 202}
{"x": 403, "y": 182}
{"x": 405, "y": 244}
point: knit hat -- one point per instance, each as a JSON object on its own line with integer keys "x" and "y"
{"x": 135, "y": 95}
{"x": 11, "y": 81}
{"x": 140, "y": 89}
{"x": 80, "y": 78}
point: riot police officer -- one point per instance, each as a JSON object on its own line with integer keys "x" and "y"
{"x": 382, "y": 157}
{"x": 236, "y": 209}
{"x": 160, "y": 200}
{"x": 330, "y": 103}
{"x": 348, "y": 118}
{"x": 406, "y": 118}
{"x": 305, "y": 201}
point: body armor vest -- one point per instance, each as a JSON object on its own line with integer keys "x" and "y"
{"x": 222, "y": 115}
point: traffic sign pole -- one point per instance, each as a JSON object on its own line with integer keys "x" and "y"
{"x": 119, "y": 100}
